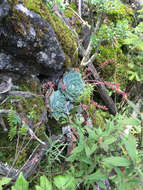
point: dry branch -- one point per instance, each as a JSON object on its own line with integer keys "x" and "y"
{"x": 103, "y": 92}
{"x": 87, "y": 60}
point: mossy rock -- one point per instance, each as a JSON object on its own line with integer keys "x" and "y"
{"x": 64, "y": 34}
{"x": 113, "y": 71}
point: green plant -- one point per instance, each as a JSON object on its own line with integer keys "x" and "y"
{"x": 59, "y": 106}
{"x": 60, "y": 3}
{"x": 134, "y": 40}
{"x": 13, "y": 121}
{"x": 107, "y": 150}
{"x": 21, "y": 183}
{"x": 85, "y": 97}
{"x": 135, "y": 71}
{"x": 65, "y": 182}
{"x": 32, "y": 114}
{"x": 45, "y": 184}
{"x": 23, "y": 130}
{"x": 134, "y": 37}
{"x": 62, "y": 182}
{"x": 4, "y": 181}
{"x": 54, "y": 153}
{"x": 101, "y": 153}
{"x": 70, "y": 88}
{"x": 72, "y": 85}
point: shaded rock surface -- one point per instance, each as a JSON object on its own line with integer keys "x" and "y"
{"x": 28, "y": 44}
{"x": 135, "y": 4}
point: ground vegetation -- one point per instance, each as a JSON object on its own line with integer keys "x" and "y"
{"x": 84, "y": 130}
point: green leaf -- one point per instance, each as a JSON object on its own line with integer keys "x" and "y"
{"x": 93, "y": 148}
{"x": 101, "y": 184}
{"x": 130, "y": 121}
{"x": 64, "y": 182}
{"x": 116, "y": 161}
{"x": 45, "y": 184}
{"x": 78, "y": 149}
{"x": 110, "y": 140}
{"x": 130, "y": 145}
{"x": 137, "y": 77}
{"x": 23, "y": 130}
{"x": 60, "y": 181}
{"x": 131, "y": 65}
{"x": 86, "y": 160}
{"x": 91, "y": 132}
{"x": 21, "y": 183}
{"x": 4, "y": 181}
{"x": 132, "y": 76}
{"x": 38, "y": 187}
{"x": 119, "y": 173}
{"x": 90, "y": 150}
{"x": 73, "y": 85}
{"x": 87, "y": 151}
{"x": 96, "y": 176}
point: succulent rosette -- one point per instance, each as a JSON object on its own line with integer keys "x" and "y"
{"x": 59, "y": 107}
{"x": 72, "y": 85}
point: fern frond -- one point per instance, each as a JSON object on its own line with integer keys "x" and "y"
{"x": 22, "y": 130}
{"x": 13, "y": 121}
{"x": 12, "y": 132}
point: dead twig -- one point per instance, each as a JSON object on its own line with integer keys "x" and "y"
{"x": 87, "y": 60}
{"x": 90, "y": 45}
{"x": 24, "y": 94}
{"x": 103, "y": 92}
{"x": 5, "y": 85}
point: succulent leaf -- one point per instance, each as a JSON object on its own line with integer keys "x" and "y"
{"x": 59, "y": 107}
{"x": 73, "y": 85}
{"x": 57, "y": 102}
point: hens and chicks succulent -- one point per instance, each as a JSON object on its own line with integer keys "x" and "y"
{"x": 70, "y": 87}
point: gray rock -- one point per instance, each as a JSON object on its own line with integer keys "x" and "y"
{"x": 4, "y": 8}
{"x": 28, "y": 43}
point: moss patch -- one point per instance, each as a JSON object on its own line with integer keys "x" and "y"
{"x": 29, "y": 109}
{"x": 122, "y": 12}
{"x": 114, "y": 71}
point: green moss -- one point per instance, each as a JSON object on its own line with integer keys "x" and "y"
{"x": 75, "y": 22}
{"x": 98, "y": 116}
{"x": 7, "y": 148}
{"x": 68, "y": 13}
{"x": 123, "y": 12}
{"x": 115, "y": 71}
{"x": 66, "y": 39}
{"x": 29, "y": 109}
